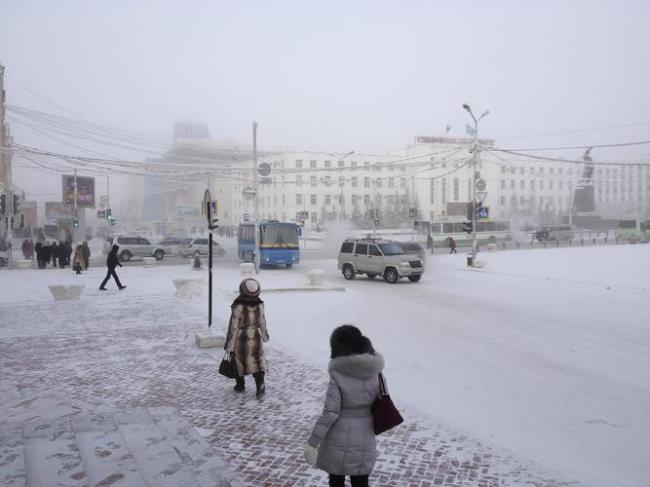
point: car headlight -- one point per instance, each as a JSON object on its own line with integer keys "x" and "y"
{"x": 404, "y": 264}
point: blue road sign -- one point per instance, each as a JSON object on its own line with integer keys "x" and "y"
{"x": 483, "y": 213}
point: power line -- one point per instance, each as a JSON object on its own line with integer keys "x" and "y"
{"x": 579, "y": 131}
{"x": 595, "y": 146}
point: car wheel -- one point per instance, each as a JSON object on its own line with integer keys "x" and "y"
{"x": 415, "y": 278}
{"x": 289, "y": 266}
{"x": 348, "y": 272}
{"x": 159, "y": 254}
{"x": 371, "y": 275}
{"x": 125, "y": 256}
{"x": 391, "y": 275}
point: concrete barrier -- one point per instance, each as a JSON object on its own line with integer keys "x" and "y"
{"x": 149, "y": 262}
{"x": 316, "y": 277}
{"x": 479, "y": 264}
{"x": 491, "y": 247}
{"x": 179, "y": 283}
{"x": 66, "y": 293}
{"x": 246, "y": 268}
{"x": 24, "y": 264}
{"x": 208, "y": 339}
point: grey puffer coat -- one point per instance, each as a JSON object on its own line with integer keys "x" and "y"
{"x": 344, "y": 433}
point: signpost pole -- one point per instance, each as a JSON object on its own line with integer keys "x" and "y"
{"x": 207, "y": 201}
{"x": 256, "y": 256}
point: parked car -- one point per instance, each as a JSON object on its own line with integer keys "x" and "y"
{"x": 134, "y": 247}
{"x": 414, "y": 248}
{"x": 378, "y": 257}
{"x": 4, "y": 258}
{"x": 175, "y": 245}
{"x": 200, "y": 246}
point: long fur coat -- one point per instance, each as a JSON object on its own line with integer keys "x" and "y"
{"x": 246, "y": 333}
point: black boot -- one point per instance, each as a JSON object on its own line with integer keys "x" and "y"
{"x": 240, "y": 384}
{"x": 259, "y": 384}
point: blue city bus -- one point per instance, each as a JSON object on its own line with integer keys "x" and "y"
{"x": 278, "y": 243}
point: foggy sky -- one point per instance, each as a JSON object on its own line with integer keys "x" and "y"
{"x": 336, "y": 75}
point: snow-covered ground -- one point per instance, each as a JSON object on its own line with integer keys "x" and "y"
{"x": 544, "y": 352}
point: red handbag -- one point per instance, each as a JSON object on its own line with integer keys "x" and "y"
{"x": 385, "y": 415}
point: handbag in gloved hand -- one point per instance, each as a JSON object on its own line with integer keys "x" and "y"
{"x": 227, "y": 367}
{"x": 385, "y": 415}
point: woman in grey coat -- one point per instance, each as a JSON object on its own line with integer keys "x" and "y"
{"x": 343, "y": 440}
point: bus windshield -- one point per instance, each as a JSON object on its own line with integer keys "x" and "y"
{"x": 246, "y": 232}
{"x": 278, "y": 235}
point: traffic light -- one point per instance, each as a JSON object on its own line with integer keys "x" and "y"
{"x": 3, "y": 204}
{"x": 16, "y": 206}
{"x": 22, "y": 220}
{"x": 75, "y": 221}
{"x": 213, "y": 223}
{"x": 467, "y": 226}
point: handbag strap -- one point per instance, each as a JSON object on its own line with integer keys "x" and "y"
{"x": 383, "y": 391}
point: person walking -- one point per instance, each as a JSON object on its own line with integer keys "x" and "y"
{"x": 430, "y": 242}
{"x": 452, "y": 246}
{"x": 246, "y": 334}
{"x": 40, "y": 258}
{"x": 85, "y": 252}
{"x": 78, "y": 259}
{"x": 54, "y": 253}
{"x": 112, "y": 261}
{"x": 343, "y": 440}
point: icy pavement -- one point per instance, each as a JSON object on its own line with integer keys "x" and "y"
{"x": 135, "y": 348}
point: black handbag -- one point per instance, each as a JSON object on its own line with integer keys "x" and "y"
{"x": 227, "y": 367}
{"x": 385, "y": 415}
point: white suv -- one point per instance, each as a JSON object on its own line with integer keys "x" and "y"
{"x": 134, "y": 247}
{"x": 200, "y": 246}
{"x": 378, "y": 257}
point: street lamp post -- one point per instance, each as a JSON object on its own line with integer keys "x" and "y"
{"x": 475, "y": 175}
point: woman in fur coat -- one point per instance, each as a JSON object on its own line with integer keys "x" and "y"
{"x": 246, "y": 333}
{"x": 343, "y": 439}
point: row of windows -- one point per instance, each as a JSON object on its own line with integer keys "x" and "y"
{"x": 523, "y": 200}
{"x": 327, "y": 164}
{"x": 354, "y": 181}
{"x": 598, "y": 171}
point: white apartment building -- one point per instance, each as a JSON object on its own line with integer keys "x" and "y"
{"x": 434, "y": 175}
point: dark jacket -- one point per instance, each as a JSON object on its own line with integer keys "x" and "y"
{"x": 112, "y": 260}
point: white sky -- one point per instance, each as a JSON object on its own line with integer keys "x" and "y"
{"x": 336, "y": 75}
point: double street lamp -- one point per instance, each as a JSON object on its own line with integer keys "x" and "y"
{"x": 475, "y": 176}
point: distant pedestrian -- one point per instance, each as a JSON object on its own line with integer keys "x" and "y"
{"x": 430, "y": 242}
{"x": 85, "y": 251}
{"x": 452, "y": 246}
{"x": 68, "y": 252}
{"x": 40, "y": 260}
{"x": 63, "y": 254}
{"x": 246, "y": 334}
{"x": 54, "y": 253}
{"x": 343, "y": 439}
{"x": 112, "y": 261}
{"x": 47, "y": 254}
{"x": 78, "y": 260}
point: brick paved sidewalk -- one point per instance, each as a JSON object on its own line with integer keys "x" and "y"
{"x": 101, "y": 356}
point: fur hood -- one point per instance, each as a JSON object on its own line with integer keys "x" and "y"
{"x": 362, "y": 366}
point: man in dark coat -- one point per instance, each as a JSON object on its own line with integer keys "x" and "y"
{"x": 112, "y": 261}
{"x": 54, "y": 253}
{"x": 39, "y": 255}
{"x": 452, "y": 245}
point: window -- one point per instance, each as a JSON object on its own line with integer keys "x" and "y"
{"x": 521, "y": 170}
{"x": 522, "y": 184}
{"x": 366, "y": 199}
{"x": 354, "y": 181}
{"x": 455, "y": 189}
{"x": 347, "y": 247}
{"x": 541, "y": 185}
{"x": 327, "y": 180}
{"x": 327, "y": 164}
{"x": 550, "y": 184}
{"x": 312, "y": 164}
{"x": 353, "y": 164}
{"x": 314, "y": 200}
{"x": 312, "y": 181}
{"x": 366, "y": 182}
{"x": 328, "y": 199}
{"x": 522, "y": 200}
{"x": 551, "y": 170}
{"x": 391, "y": 182}
{"x": 341, "y": 181}
{"x": 284, "y": 201}
{"x": 378, "y": 182}
{"x": 541, "y": 170}
{"x": 512, "y": 184}
{"x": 402, "y": 183}
{"x": 298, "y": 180}
{"x": 503, "y": 169}
{"x": 503, "y": 185}
{"x": 341, "y": 164}
{"x": 342, "y": 199}
{"x": 354, "y": 199}
{"x": 362, "y": 249}
{"x": 374, "y": 250}
{"x": 532, "y": 185}
{"x": 502, "y": 200}
{"x": 443, "y": 192}
{"x": 298, "y": 199}
{"x": 298, "y": 163}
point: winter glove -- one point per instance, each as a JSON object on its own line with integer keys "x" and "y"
{"x": 311, "y": 454}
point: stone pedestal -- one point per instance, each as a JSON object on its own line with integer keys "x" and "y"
{"x": 66, "y": 293}
{"x": 479, "y": 264}
{"x": 246, "y": 268}
{"x": 149, "y": 262}
{"x": 23, "y": 264}
{"x": 491, "y": 247}
{"x": 316, "y": 277}
{"x": 207, "y": 339}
